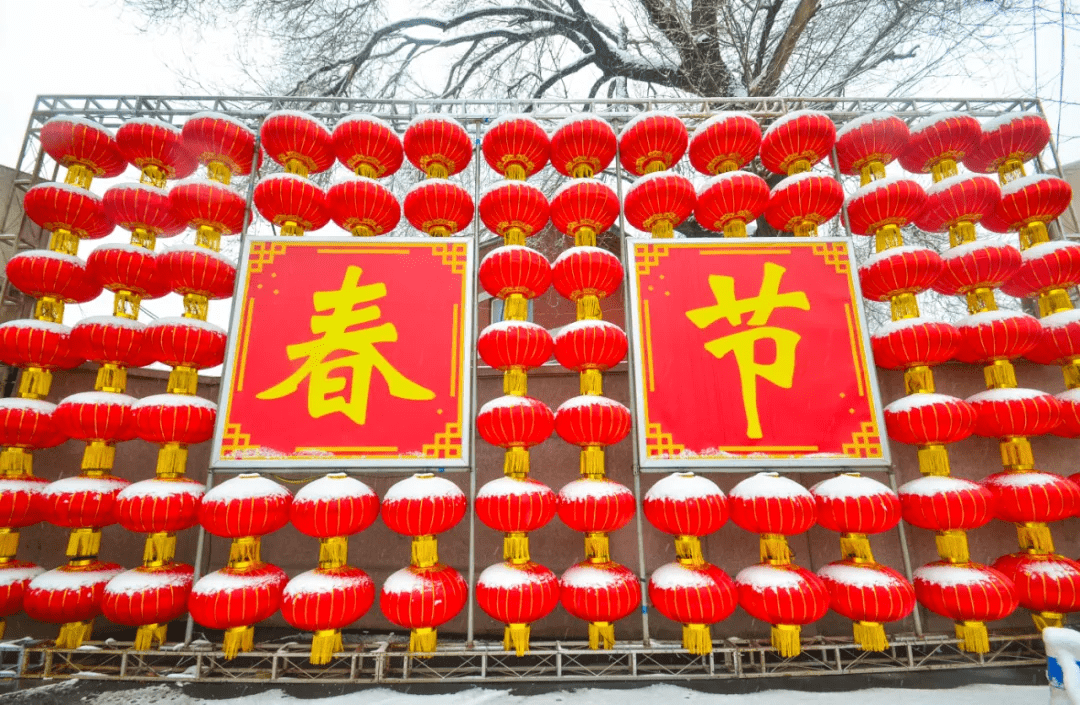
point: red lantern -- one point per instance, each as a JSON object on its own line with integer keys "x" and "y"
{"x": 515, "y": 269}
{"x": 294, "y": 139}
{"x": 67, "y": 207}
{"x": 41, "y": 273}
{"x": 584, "y": 204}
{"x": 175, "y": 418}
{"x": 728, "y": 201}
{"x": 1015, "y": 412}
{"x": 590, "y": 345}
{"x": 141, "y": 207}
{"x": 197, "y": 270}
{"x": 725, "y": 142}
{"x": 867, "y": 144}
{"x": 156, "y": 148}
{"x": 422, "y": 505}
{"x": 186, "y": 342}
{"x": 797, "y": 141}
{"x": 70, "y": 595}
{"x": 233, "y": 599}
{"x": 586, "y": 271}
{"x": 582, "y": 146}
{"x": 939, "y": 141}
{"x": 148, "y": 596}
{"x": 968, "y": 594}
{"x": 652, "y": 141}
{"x": 422, "y": 599}
{"x": 659, "y": 202}
{"x": 209, "y": 204}
{"x": 363, "y": 206}
{"x": 592, "y": 420}
{"x": 221, "y": 142}
{"x": 515, "y": 505}
{"x": 1070, "y": 414}
{"x": 291, "y": 202}
{"x": 802, "y": 202}
{"x": 599, "y": 593}
{"x": 516, "y": 146}
{"x": 517, "y": 594}
{"x": 112, "y": 340}
{"x": 1039, "y": 198}
{"x": 785, "y": 596}
{"x": 438, "y": 207}
{"x": 97, "y": 416}
{"x": 868, "y": 594}
{"x": 367, "y": 146}
{"x": 853, "y": 504}
{"x": 127, "y": 268}
{"x": 21, "y": 503}
{"x": 515, "y": 422}
{"x": 892, "y": 201}
{"x": 685, "y": 504}
{"x": 510, "y": 206}
{"x": 907, "y": 269}
{"x": 437, "y": 145}
{"x": 159, "y": 505}
{"x": 514, "y": 344}
{"x": 946, "y": 504}
{"x": 29, "y": 423}
{"x": 929, "y": 419}
{"x": 15, "y": 576}
{"x": 1047, "y": 584}
{"x": 958, "y": 200}
{"x": 325, "y": 601}
{"x": 334, "y": 505}
{"x": 75, "y": 142}
{"x": 247, "y": 505}
{"x": 82, "y": 502}
{"x": 769, "y": 503}
{"x": 1033, "y": 496}
{"x": 1046, "y": 266}
{"x": 696, "y": 596}
{"x": 33, "y": 343}
{"x": 976, "y": 265}
{"x": 1007, "y": 142}
{"x": 596, "y": 505}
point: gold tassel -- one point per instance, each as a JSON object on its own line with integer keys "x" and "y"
{"x": 16, "y": 462}
{"x": 663, "y": 229}
{"x": 333, "y": 551}
{"x": 735, "y": 228}
{"x": 73, "y": 634}
{"x": 516, "y": 637}
{"x": 688, "y": 549}
{"x": 871, "y": 171}
{"x": 592, "y": 382}
{"x": 79, "y": 175}
{"x": 1035, "y": 536}
{"x": 597, "y": 547}
{"x": 592, "y": 461}
{"x": 98, "y": 455}
{"x": 856, "y": 546}
{"x": 585, "y": 237}
{"x": 515, "y": 382}
{"x": 516, "y": 462}
{"x": 696, "y": 639}
{"x": 147, "y": 635}
{"x": 588, "y": 308}
{"x": 1000, "y": 374}
{"x": 159, "y": 549}
{"x": 154, "y": 175}
{"x": 805, "y": 229}
{"x": 64, "y": 242}
{"x": 583, "y": 171}
{"x": 944, "y": 169}
{"x": 49, "y": 309}
{"x": 171, "y": 460}
{"x": 726, "y": 166}
{"x": 516, "y": 547}
{"x": 1054, "y": 301}
{"x": 183, "y": 380}
{"x": 919, "y": 380}
{"x": 111, "y": 378}
{"x": 1071, "y": 371}
{"x": 952, "y": 545}
{"x": 34, "y": 383}
{"x": 888, "y": 237}
{"x": 904, "y": 306}
{"x": 295, "y": 166}
{"x": 514, "y": 236}
{"x": 601, "y": 635}
{"x": 654, "y": 166}
{"x": 291, "y": 229}
{"x": 799, "y": 166}
{"x": 437, "y": 170}
{"x": 1042, "y": 620}
{"x": 9, "y": 543}
{"x": 515, "y": 172}
{"x": 515, "y": 308}
{"x": 1010, "y": 170}
{"x": 83, "y": 543}
{"x": 423, "y": 641}
{"x": 785, "y": 639}
{"x": 1016, "y": 453}
{"x": 934, "y": 460}
{"x": 425, "y": 551}
{"x": 973, "y": 637}
{"x": 981, "y": 299}
{"x": 238, "y": 639}
{"x": 961, "y": 234}
{"x": 244, "y": 551}
{"x": 196, "y": 306}
{"x": 218, "y": 171}
{"x": 871, "y": 636}
{"x": 1033, "y": 234}
{"x": 324, "y": 645}
{"x": 775, "y": 549}
{"x": 126, "y": 304}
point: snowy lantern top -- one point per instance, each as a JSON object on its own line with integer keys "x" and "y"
{"x": 516, "y": 146}
{"x": 297, "y": 141}
{"x": 246, "y": 505}
{"x": 334, "y": 505}
{"x": 368, "y": 146}
{"x": 583, "y": 145}
{"x": 87, "y": 148}
{"x": 652, "y": 141}
{"x": 437, "y": 145}
{"x": 685, "y": 504}
{"x": 422, "y": 505}
{"x": 796, "y": 141}
{"x": 725, "y": 142}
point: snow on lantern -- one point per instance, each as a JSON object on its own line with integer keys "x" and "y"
{"x": 659, "y": 202}
{"x": 725, "y": 142}
{"x": 437, "y": 145}
{"x": 368, "y": 146}
{"x": 796, "y": 141}
{"x": 869, "y": 143}
{"x": 1006, "y": 143}
{"x": 728, "y": 201}
{"x": 802, "y": 202}
{"x": 938, "y": 141}
{"x": 582, "y": 209}
{"x": 516, "y": 146}
{"x": 652, "y": 141}
{"x": 582, "y": 146}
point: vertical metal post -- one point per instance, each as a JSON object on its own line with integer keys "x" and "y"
{"x": 470, "y": 633}
{"x": 200, "y": 548}
{"x": 905, "y": 555}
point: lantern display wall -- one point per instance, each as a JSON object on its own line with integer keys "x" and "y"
{"x": 515, "y": 200}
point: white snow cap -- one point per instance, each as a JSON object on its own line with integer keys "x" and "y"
{"x": 584, "y": 117}
{"x": 574, "y": 183}
{"x": 508, "y": 401}
{"x": 1006, "y": 395}
{"x": 931, "y": 120}
{"x": 890, "y": 253}
{"x": 404, "y": 581}
{"x": 588, "y": 400}
{"x": 719, "y": 119}
{"x": 10, "y": 576}
{"x": 890, "y": 327}
{"x": 156, "y": 487}
{"x": 186, "y": 322}
{"x": 60, "y": 579}
{"x": 671, "y": 576}
{"x": 1014, "y": 186}
{"x": 137, "y": 581}
{"x": 917, "y": 401}
{"x": 788, "y": 117}
{"x": 69, "y": 188}
{"x": 512, "y": 487}
{"x": 79, "y": 484}
{"x": 769, "y": 484}
{"x": 299, "y": 114}
{"x": 877, "y": 185}
{"x": 248, "y": 485}
{"x": 218, "y": 582}
{"x": 98, "y": 399}
{"x": 78, "y": 120}
{"x": 33, "y": 323}
{"x": 641, "y": 181}
{"x": 221, "y": 116}
{"x": 850, "y": 485}
{"x": 587, "y": 576}
{"x": 363, "y": 117}
{"x": 507, "y": 184}
{"x": 111, "y": 322}
{"x": 951, "y": 575}
{"x": 934, "y": 485}
{"x": 37, "y": 406}
{"x": 506, "y": 576}
{"x": 175, "y": 400}
{"x": 434, "y": 117}
{"x": 790, "y": 181}
{"x": 585, "y": 489}
{"x": 725, "y": 176}
{"x": 153, "y": 122}
{"x": 856, "y": 123}
{"x": 422, "y": 486}
{"x": 501, "y": 326}
{"x": 316, "y": 582}
{"x": 681, "y": 486}
{"x": 768, "y": 577}
{"x": 137, "y": 186}
{"x": 572, "y": 252}
{"x": 857, "y": 575}
{"x": 220, "y": 256}
{"x": 49, "y": 254}
{"x": 336, "y": 485}
{"x": 642, "y": 117}
{"x": 1027, "y": 479}
{"x": 432, "y": 183}
{"x": 513, "y": 117}
{"x": 1045, "y": 249}
{"x": 970, "y": 247}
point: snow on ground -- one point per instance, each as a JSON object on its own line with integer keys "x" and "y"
{"x": 660, "y": 694}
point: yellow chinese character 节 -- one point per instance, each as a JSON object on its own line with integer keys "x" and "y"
{"x": 742, "y": 343}
{"x": 341, "y": 331}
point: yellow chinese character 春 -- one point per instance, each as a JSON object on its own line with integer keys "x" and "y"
{"x": 338, "y": 327}
{"x": 742, "y": 344}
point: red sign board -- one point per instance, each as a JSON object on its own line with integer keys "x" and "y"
{"x": 348, "y": 352}
{"x": 752, "y": 353}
